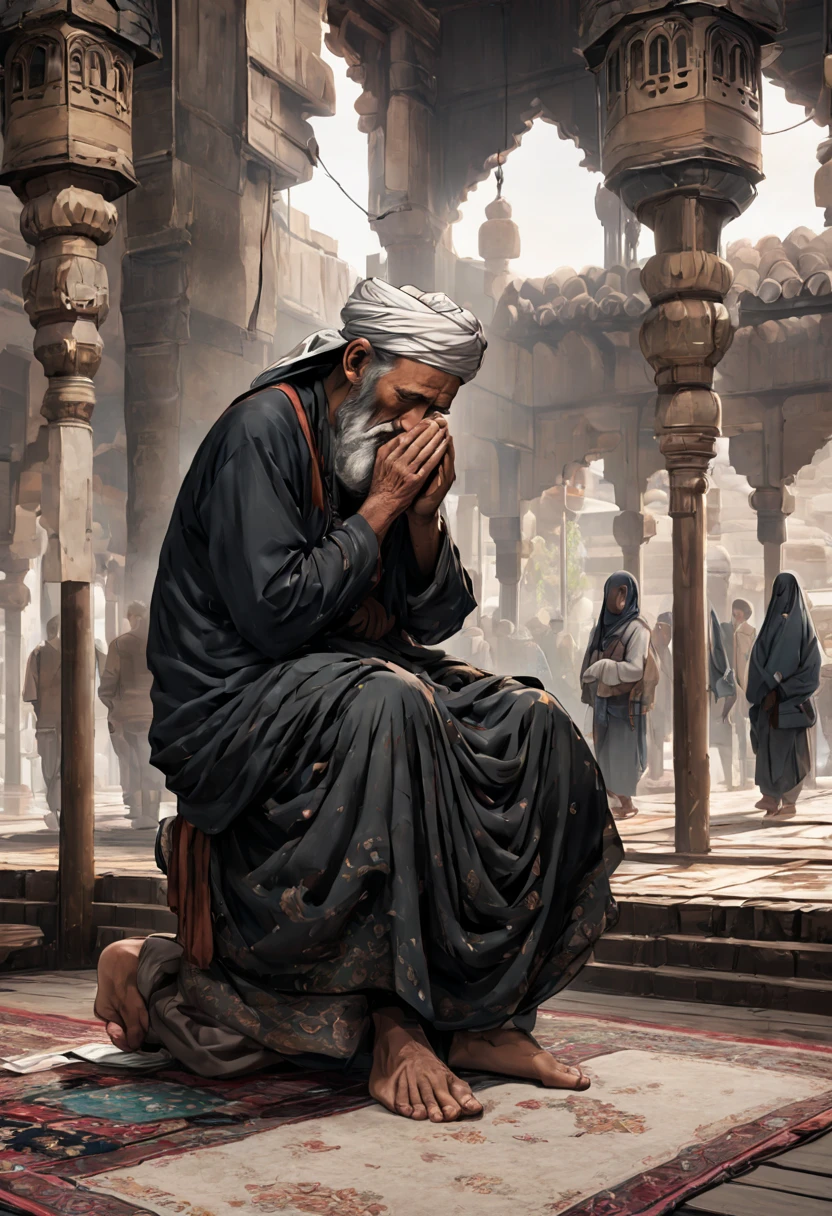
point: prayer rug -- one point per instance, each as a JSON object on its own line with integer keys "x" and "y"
{"x": 669, "y": 1113}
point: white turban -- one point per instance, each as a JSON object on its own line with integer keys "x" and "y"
{"x": 426, "y": 326}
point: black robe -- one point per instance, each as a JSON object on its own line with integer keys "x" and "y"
{"x": 383, "y": 817}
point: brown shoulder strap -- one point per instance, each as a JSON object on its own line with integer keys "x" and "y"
{"x": 317, "y": 480}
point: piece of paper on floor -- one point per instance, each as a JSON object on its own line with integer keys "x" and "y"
{"x": 91, "y": 1053}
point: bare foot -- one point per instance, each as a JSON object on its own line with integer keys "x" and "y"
{"x": 625, "y": 809}
{"x": 409, "y": 1079}
{"x": 514, "y": 1053}
{"x": 118, "y": 1002}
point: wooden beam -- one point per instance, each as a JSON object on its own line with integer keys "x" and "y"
{"x": 415, "y": 18}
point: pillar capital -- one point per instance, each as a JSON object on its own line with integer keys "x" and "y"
{"x": 773, "y": 505}
{"x": 632, "y": 529}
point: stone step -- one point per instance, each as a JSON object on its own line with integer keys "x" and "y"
{"x": 42, "y": 885}
{"x": 150, "y": 917}
{"x": 30, "y": 912}
{"x": 711, "y": 987}
{"x": 779, "y": 960}
{"x": 761, "y": 920}
{"x": 106, "y": 934}
{"x": 14, "y": 938}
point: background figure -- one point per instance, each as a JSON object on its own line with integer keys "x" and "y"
{"x": 660, "y": 720}
{"x": 471, "y": 645}
{"x": 618, "y": 685}
{"x": 566, "y": 676}
{"x": 42, "y": 688}
{"x": 783, "y": 676}
{"x": 125, "y": 690}
{"x": 823, "y": 702}
{"x": 723, "y": 689}
{"x": 516, "y": 653}
{"x": 548, "y": 642}
{"x": 743, "y": 641}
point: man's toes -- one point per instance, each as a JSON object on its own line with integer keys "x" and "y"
{"x": 430, "y": 1103}
{"x": 450, "y": 1107}
{"x": 461, "y": 1092}
{"x": 401, "y": 1101}
{"x": 117, "y": 1036}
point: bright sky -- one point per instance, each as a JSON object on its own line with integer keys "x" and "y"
{"x": 552, "y": 197}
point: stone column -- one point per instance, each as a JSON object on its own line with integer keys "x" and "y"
{"x": 506, "y": 531}
{"x": 67, "y": 155}
{"x": 632, "y": 530}
{"x": 773, "y": 504}
{"x": 680, "y": 106}
{"x": 466, "y": 507}
{"x": 403, "y": 164}
{"x": 14, "y": 597}
{"x": 506, "y": 534}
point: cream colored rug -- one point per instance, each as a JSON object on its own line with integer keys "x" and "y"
{"x": 654, "y": 1120}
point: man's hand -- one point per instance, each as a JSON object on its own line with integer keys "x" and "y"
{"x": 403, "y": 466}
{"x": 371, "y": 621}
{"x": 427, "y": 502}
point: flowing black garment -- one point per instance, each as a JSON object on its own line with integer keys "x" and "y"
{"x": 783, "y": 677}
{"x": 383, "y": 817}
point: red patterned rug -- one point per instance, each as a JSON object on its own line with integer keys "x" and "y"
{"x": 669, "y": 1113}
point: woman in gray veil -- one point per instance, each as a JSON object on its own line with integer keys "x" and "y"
{"x": 783, "y": 676}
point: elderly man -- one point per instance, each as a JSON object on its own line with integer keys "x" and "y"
{"x": 376, "y": 844}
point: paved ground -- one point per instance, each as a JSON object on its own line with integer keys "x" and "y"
{"x": 792, "y": 861}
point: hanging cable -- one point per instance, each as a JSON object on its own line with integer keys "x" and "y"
{"x": 793, "y": 127}
{"x": 314, "y": 154}
{"x": 500, "y": 174}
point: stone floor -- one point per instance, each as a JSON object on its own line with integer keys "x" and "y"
{"x": 792, "y": 861}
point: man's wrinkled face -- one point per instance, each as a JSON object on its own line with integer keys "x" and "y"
{"x": 411, "y": 390}
{"x": 391, "y": 396}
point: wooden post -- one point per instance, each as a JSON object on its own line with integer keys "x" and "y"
{"x": 77, "y": 860}
{"x": 681, "y": 146}
{"x": 67, "y": 155}
{"x": 690, "y": 683}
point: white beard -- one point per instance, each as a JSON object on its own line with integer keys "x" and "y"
{"x": 356, "y": 441}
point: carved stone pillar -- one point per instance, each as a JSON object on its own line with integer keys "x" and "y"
{"x": 680, "y": 106}
{"x": 632, "y": 530}
{"x": 67, "y": 155}
{"x": 773, "y": 504}
{"x": 14, "y": 597}
{"x": 403, "y": 165}
{"x": 506, "y": 533}
{"x": 466, "y": 507}
{"x": 823, "y": 112}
